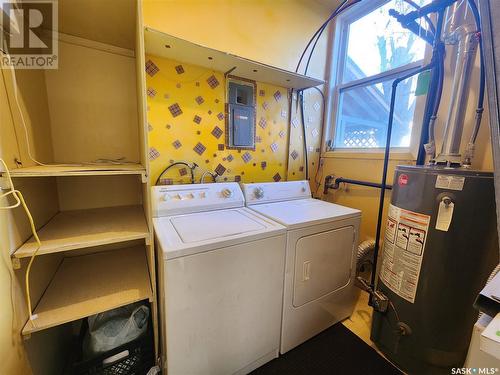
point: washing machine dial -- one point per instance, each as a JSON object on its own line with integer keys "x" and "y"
{"x": 227, "y": 193}
{"x": 259, "y": 193}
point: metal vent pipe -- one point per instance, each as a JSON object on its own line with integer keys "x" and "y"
{"x": 467, "y": 46}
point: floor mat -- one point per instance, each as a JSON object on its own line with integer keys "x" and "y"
{"x": 334, "y": 351}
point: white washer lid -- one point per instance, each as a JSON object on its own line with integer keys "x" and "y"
{"x": 214, "y": 224}
{"x": 189, "y": 234}
{"x": 305, "y": 212}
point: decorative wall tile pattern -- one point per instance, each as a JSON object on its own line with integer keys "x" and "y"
{"x": 153, "y": 153}
{"x": 175, "y": 110}
{"x": 151, "y": 92}
{"x": 246, "y": 157}
{"x": 263, "y": 122}
{"x": 199, "y": 148}
{"x": 201, "y": 92}
{"x": 313, "y": 115}
{"x": 217, "y": 132}
{"x": 220, "y": 169}
{"x": 212, "y": 81}
{"x": 151, "y": 68}
{"x": 179, "y": 69}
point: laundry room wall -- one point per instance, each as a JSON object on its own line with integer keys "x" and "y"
{"x": 196, "y": 132}
{"x": 271, "y": 32}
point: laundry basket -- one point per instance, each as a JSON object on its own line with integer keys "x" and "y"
{"x": 135, "y": 357}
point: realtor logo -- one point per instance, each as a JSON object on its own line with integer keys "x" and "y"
{"x": 29, "y": 34}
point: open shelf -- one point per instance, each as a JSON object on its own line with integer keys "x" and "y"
{"x": 191, "y": 53}
{"x": 90, "y": 284}
{"x": 79, "y": 170}
{"x": 78, "y": 229}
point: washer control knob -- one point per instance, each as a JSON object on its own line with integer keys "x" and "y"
{"x": 227, "y": 193}
{"x": 303, "y": 189}
{"x": 259, "y": 193}
{"x": 164, "y": 197}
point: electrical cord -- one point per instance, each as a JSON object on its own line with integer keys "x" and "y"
{"x": 191, "y": 167}
{"x": 341, "y": 8}
{"x": 320, "y": 30}
{"x": 12, "y": 190}
{"x": 320, "y": 166}
{"x": 304, "y": 139}
{"x": 212, "y": 174}
{"x": 19, "y": 196}
{"x": 338, "y": 11}
{"x": 32, "y": 259}
{"x": 482, "y": 79}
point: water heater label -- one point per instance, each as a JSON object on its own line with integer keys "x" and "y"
{"x": 404, "y": 245}
{"x": 450, "y": 182}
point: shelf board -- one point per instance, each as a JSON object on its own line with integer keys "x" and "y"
{"x": 70, "y": 230}
{"x": 90, "y": 284}
{"x": 185, "y": 51}
{"x": 83, "y": 170}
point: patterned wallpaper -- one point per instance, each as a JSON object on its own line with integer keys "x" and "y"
{"x": 186, "y": 121}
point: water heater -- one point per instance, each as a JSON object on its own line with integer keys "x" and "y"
{"x": 440, "y": 245}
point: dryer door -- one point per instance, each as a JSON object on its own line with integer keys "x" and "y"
{"x": 322, "y": 264}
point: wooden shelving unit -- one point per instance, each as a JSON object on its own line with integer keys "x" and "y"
{"x": 79, "y": 170}
{"x": 90, "y": 284}
{"x": 79, "y": 229}
{"x": 92, "y": 107}
{"x": 164, "y": 45}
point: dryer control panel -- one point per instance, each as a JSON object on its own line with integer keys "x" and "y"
{"x": 267, "y": 192}
{"x": 183, "y": 199}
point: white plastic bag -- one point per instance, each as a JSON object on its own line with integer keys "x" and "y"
{"x": 116, "y": 327}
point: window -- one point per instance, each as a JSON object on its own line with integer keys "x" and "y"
{"x": 372, "y": 50}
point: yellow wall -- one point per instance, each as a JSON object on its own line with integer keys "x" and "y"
{"x": 174, "y": 137}
{"x": 272, "y": 32}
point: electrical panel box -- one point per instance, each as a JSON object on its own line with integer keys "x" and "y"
{"x": 241, "y": 115}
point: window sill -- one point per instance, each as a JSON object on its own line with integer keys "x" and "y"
{"x": 371, "y": 154}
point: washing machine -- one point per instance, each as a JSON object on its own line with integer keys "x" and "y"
{"x": 220, "y": 276}
{"x": 321, "y": 245}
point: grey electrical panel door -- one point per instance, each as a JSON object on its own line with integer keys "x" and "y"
{"x": 242, "y": 126}
{"x": 241, "y": 110}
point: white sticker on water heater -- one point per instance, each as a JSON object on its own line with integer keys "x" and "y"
{"x": 404, "y": 245}
{"x": 450, "y": 182}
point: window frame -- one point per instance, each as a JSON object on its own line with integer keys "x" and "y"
{"x": 338, "y": 47}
